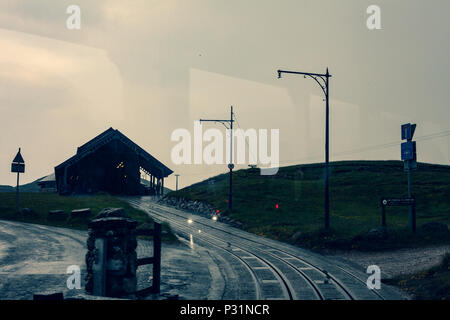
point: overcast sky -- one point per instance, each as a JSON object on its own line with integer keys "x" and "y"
{"x": 150, "y": 67}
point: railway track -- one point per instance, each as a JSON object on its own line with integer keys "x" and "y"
{"x": 277, "y": 273}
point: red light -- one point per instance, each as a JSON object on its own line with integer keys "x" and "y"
{"x": 226, "y": 201}
{"x": 276, "y": 206}
{"x": 217, "y": 211}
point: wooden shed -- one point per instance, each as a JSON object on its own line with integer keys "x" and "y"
{"x": 112, "y": 163}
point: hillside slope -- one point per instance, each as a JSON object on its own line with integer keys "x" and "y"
{"x": 28, "y": 187}
{"x": 355, "y": 191}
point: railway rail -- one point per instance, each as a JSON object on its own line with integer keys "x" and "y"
{"x": 277, "y": 271}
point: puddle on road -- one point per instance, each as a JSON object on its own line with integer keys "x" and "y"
{"x": 3, "y": 249}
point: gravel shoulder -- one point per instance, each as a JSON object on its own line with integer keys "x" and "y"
{"x": 396, "y": 262}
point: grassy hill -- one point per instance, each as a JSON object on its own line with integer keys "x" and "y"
{"x": 28, "y": 187}
{"x": 355, "y": 191}
{"x": 41, "y": 203}
{"x": 4, "y": 188}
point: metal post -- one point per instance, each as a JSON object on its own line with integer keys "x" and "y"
{"x": 17, "y": 192}
{"x": 327, "y": 156}
{"x": 176, "y": 188}
{"x": 230, "y": 197}
{"x": 323, "y": 81}
{"x": 383, "y": 215}
{"x": 157, "y": 258}
{"x": 230, "y": 165}
{"x": 411, "y": 210}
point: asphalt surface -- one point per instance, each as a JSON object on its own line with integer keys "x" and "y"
{"x": 253, "y": 267}
{"x": 34, "y": 260}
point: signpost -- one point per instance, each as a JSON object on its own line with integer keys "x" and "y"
{"x": 18, "y": 165}
{"x": 411, "y": 202}
{"x": 408, "y": 131}
{"x": 409, "y": 156}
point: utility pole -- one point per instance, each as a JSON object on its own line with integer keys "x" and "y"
{"x": 230, "y": 165}
{"x": 323, "y": 81}
{"x": 177, "y": 175}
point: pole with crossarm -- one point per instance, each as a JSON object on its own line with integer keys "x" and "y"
{"x": 323, "y": 81}
{"x": 230, "y": 165}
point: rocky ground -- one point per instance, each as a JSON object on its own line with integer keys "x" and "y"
{"x": 198, "y": 207}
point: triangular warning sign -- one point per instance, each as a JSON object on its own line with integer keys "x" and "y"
{"x": 18, "y": 158}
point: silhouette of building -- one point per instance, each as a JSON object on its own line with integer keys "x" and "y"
{"x": 111, "y": 163}
{"x": 47, "y": 183}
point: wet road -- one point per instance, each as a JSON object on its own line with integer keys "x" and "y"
{"x": 259, "y": 268}
{"x": 34, "y": 259}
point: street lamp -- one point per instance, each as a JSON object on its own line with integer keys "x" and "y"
{"x": 323, "y": 81}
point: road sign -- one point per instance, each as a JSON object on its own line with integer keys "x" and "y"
{"x": 18, "y": 167}
{"x": 398, "y": 202}
{"x": 408, "y": 150}
{"x": 18, "y": 158}
{"x": 410, "y": 202}
{"x": 18, "y": 164}
{"x": 408, "y": 130}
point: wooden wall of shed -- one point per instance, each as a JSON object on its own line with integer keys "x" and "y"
{"x": 101, "y": 171}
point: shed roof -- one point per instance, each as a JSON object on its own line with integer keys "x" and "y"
{"x": 50, "y": 177}
{"x": 150, "y": 163}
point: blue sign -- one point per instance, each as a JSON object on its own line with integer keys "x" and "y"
{"x": 408, "y": 131}
{"x": 408, "y": 150}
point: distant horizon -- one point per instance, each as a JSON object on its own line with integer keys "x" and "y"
{"x": 226, "y": 172}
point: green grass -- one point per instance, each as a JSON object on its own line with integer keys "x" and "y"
{"x": 41, "y": 203}
{"x": 355, "y": 191}
{"x": 432, "y": 284}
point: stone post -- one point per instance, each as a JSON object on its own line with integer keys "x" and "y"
{"x": 111, "y": 259}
